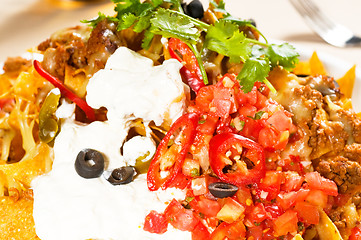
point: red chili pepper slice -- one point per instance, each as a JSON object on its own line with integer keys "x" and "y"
{"x": 89, "y": 112}
{"x": 224, "y": 142}
{"x": 190, "y": 69}
{"x": 188, "y": 123}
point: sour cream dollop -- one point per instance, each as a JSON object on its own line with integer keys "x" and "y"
{"x": 67, "y": 206}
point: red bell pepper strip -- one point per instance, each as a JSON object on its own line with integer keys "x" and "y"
{"x": 89, "y": 112}
{"x": 221, "y": 144}
{"x": 188, "y": 122}
{"x": 190, "y": 70}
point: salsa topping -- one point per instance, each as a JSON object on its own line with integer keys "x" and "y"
{"x": 242, "y": 188}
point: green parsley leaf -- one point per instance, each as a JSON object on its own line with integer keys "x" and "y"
{"x": 225, "y": 38}
{"x": 101, "y": 16}
{"x": 147, "y": 40}
{"x": 258, "y": 51}
{"x": 142, "y": 24}
{"x": 253, "y": 70}
{"x": 131, "y": 12}
{"x": 173, "y": 24}
{"x": 284, "y": 55}
{"x": 127, "y": 21}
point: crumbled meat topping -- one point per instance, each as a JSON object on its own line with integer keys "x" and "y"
{"x": 14, "y": 65}
{"x": 346, "y": 173}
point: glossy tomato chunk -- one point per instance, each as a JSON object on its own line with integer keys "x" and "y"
{"x": 179, "y": 217}
{"x": 155, "y": 222}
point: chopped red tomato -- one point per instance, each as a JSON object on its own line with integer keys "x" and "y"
{"x": 280, "y": 121}
{"x": 255, "y": 232}
{"x": 200, "y": 232}
{"x": 155, "y": 223}
{"x": 274, "y": 210}
{"x": 231, "y": 231}
{"x": 317, "y": 198}
{"x": 204, "y": 97}
{"x": 199, "y": 186}
{"x": 179, "y": 217}
{"x": 288, "y": 199}
{"x": 208, "y": 207}
{"x": 250, "y": 97}
{"x": 293, "y": 181}
{"x": 341, "y": 199}
{"x": 244, "y": 196}
{"x": 272, "y": 183}
{"x": 355, "y": 233}
{"x": 258, "y": 214}
{"x": 307, "y": 213}
{"x": 286, "y": 223}
{"x": 251, "y": 128}
{"x": 293, "y": 163}
{"x": 181, "y": 181}
{"x": 248, "y": 110}
{"x": 316, "y": 181}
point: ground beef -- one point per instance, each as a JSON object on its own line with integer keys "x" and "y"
{"x": 326, "y": 136}
{"x": 102, "y": 42}
{"x": 65, "y": 47}
{"x": 346, "y": 173}
{"x": 14, "y": 65}
{"x": 333, "y": 133}
{"x": 77, "y": 48}
{"x": 338, "y": 219}
{"x": 353, "y": 152}
{"x": 311, "y": 98}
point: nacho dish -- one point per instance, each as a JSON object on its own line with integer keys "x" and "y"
{"x": 168, "y": 120}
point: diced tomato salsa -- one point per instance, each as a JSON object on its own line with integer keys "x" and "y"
{"x": 238, "y": 140}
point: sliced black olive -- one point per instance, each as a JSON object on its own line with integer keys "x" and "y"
{"x": 222, "y": 190}
{"x": 122, "y": 175}
{"x": 194, "y": 9}
{"x": 89, "y": 163}
{"x": 302, "y": 75}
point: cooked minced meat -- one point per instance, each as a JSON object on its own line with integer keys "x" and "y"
{"x": 14, "y": 65}
{"x": 346, "y": 173}
{"x": 332, "y": 132}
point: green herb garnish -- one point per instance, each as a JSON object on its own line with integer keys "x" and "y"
{"x": 224, "y": 37}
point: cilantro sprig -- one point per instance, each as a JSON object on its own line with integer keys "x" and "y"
{"x": 166, "y": 18}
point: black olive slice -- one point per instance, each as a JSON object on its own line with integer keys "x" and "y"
{"x": 222, "y": 190}
{"x": 122, "y": 175}
{"x": 89, "y": 163}
{"x": 194, "y": 9}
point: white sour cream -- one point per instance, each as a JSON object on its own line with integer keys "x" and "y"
{"x": 67, "y": 206}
